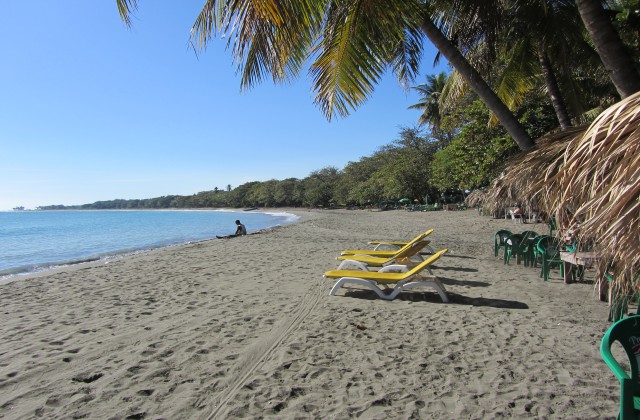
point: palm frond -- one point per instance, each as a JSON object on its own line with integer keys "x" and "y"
{"x": 519, "y": 77}
{"x": 267, "y": 37}
{"x": 125, "y": 9}
{"x": 353, "y": 54}
{"x": 455, "y": 88}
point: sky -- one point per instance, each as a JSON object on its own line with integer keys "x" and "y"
{"x": 92, "y": 110}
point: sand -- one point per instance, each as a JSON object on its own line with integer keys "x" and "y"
{"x": 245, "y": 328}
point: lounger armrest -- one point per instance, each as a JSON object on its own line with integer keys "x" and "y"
{"x": 345, "y": 264}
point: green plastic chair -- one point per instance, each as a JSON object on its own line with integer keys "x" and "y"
{"x": 530, "y": 237}
{"x": 516, "y": 245}
{"x": 549, "y": 251}
{"x": 627, "y": 333}
{"x": 499, "y": 239}
{"x": 537, "y": 256}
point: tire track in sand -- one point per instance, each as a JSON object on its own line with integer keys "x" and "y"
{"x": 260, "y": 352}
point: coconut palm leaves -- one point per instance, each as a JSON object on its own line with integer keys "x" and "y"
{"x": 352, "y": 44}
{"x": 429, "y": 104}
{"x": 351, "y": 53}
{"x": 267, "y": 37}
{"x": 125, "y": 8}
{"x": 359, "y": 41}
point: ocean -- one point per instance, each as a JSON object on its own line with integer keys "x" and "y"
{"x": 32, "y": 241}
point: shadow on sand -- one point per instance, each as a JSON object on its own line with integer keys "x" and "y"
{"x": 461, "y": 269}
{"x": 469, "y": 283}
{"x": 433, "y": 297}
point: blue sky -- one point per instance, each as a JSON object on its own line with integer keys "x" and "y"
{"x": 91, "y": 110}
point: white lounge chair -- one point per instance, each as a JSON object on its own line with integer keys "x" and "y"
{"x": 401, "y": 276}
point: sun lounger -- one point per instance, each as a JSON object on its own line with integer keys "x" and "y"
{"x": 409, "y": 255}
{"x": 399, "y": 244}
{"x": 379, "y": 252}
{"x": 400, "y": 276}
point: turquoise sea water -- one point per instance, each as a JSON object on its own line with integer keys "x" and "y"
{"x": 39, "y": 240}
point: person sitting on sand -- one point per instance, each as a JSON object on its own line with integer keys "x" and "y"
{"x": 241, "y": 229}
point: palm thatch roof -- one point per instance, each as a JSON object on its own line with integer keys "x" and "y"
{"x": 475, "y": 198}
{"x": 528, "y": 174}
{"x": 600, "y": 181}
{"x": 594, "y": 173}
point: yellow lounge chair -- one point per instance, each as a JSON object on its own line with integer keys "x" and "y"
{"x": 407, "y": 279}
{"x": 363, "y": 262}
{"x": 377, "y": 252}
{"x": 397, "y": 244}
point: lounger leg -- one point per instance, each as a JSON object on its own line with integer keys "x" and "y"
{"x": 435, "y": 283}
{"x": 362, "y": 282}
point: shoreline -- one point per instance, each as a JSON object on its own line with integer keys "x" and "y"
{"x": 36, "y": 269}
{"x": 245, "y": 328}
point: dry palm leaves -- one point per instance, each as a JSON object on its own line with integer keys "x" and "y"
{"x": 592, "y": 174}
{"x": 599, "y": 181}
{"x": 528, "y": 174}
{"x": 475, "y": 198}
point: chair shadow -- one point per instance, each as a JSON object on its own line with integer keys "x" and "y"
{"x": 462, "y": 269}
{"x": 433, "y": 297}
{"x": 470, "y": 283}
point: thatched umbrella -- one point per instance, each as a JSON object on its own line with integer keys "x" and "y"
{"x": 475, "y": 198}
{"x": 594, "y": 173}
{"x": 600, "y": 181}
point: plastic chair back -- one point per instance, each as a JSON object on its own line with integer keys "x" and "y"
{"x": 627, "y": 333}
{"x": 500, "y": 239}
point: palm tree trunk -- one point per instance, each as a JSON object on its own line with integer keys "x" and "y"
{"x": 478, "y": 84}
{"x": 610, "y": 48}
{"x": 554, "y": 90}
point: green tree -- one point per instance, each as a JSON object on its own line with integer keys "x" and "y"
{"x": 320, "y": 187}
{"x": 475, "y": 156}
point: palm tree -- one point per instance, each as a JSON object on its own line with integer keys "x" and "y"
{"x": 541, "y": 49}
{"x": 429, "y": 100}
{"x": 352, "y": 43}
{"x": 613, "y": 54}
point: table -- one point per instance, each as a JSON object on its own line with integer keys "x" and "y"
{"x": 586, "y": 259}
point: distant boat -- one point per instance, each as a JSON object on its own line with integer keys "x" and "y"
{"x": 20, "y": 208}
{"x": 252, "y": 208}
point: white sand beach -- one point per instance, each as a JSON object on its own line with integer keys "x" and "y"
{"x": 245, "y": 328}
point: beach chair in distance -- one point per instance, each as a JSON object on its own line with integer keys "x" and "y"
{"x": 627, "y": 333}
{"x": 387, "y": 253}
{"x": 363, "y": 262}
{"x": 399, "y": 276}
{"x": 397, "y": 244}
